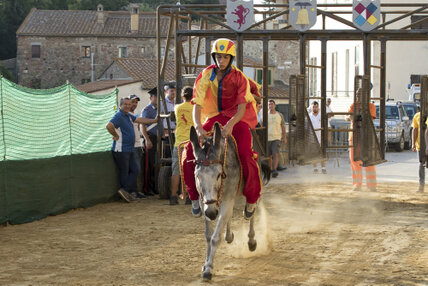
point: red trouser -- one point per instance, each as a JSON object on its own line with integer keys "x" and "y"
{"x": 357, "y": 172}
{"x": 248, "y": 157}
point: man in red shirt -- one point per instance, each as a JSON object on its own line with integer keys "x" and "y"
{"x": 222, "y": 93}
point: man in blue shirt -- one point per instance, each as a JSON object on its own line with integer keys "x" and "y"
{"x": 122, "y": 129}
{"x": 150, "y": 138}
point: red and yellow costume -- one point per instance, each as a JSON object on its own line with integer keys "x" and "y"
{"x": 357, "y": 169}
{"x": 219, "y": 100}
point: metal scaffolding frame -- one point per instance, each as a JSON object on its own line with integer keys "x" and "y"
{"x": 212, "y": 25}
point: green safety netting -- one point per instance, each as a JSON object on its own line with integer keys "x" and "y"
{"x": 54, "y": 122}
{"x": 54, "y": 151}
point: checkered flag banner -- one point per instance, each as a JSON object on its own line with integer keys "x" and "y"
{"x": 366, "y": 14}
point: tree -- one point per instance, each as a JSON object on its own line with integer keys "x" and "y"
{"x": 6, "y": 73}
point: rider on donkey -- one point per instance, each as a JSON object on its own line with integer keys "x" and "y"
{"x": 222, "y": 93}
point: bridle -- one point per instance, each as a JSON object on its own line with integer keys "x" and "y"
{"x": 206, "y": 162}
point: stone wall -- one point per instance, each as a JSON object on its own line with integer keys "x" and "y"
{"x": 283, "y": 55}
{"x": 62, "y": 58}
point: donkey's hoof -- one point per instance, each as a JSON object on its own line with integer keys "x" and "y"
{"x": 252, "y": 246}
{"x": 230, "y": 238}
{"x": 207, "y": 276}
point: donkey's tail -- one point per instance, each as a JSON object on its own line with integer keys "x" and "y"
{"x": 265, "y": 173}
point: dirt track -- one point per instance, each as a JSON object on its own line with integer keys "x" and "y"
{"x": 311, "y": 234}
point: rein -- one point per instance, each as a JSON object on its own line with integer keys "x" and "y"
{"x": 205, "y": 162}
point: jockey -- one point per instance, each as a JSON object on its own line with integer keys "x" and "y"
{"x": 222, "y": 93}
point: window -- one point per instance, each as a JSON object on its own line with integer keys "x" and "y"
{"x": 334, "y": 73}
{"x": 86, "y": 51}
{"x": 260, "y": 77}
{"x": 357, "y": 60}
{"x": 162, "y": 51}
{"x": 85, "y": 80}
{"x": 347, "y": 73}
{"x": 143, "y": 50}
{"x": 123, "y": 52}
{"x": 313, "y": 74}
{"x": 35, "y": 51}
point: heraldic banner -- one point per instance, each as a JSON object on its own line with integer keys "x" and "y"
{"x": 366, "y": 14}
{"x": 303, "y": 14}
{"x": 240, "y": 14}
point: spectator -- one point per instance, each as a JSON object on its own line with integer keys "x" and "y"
{"x": 150, "y": 139}
{"x": 183, "y": 113}
{"x": 315, "y": 117}
{"x": 137, "y": 146}
{"x": 357, "y": 169}
{"x": 122, "y": 129}
{"x": 416, "y": 147}
{"x": 170, "y": 94}
{"x": 276, "y": 136}
{"x": 330, "y": 114}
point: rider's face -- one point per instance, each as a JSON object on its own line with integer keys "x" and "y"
{"x": 222, "y": 60}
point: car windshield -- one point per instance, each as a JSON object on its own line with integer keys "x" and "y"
{"x": 410, "y": 110}
{"x": 391, "y": 112}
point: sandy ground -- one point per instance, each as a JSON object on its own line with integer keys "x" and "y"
{"x": 308, "y": 234}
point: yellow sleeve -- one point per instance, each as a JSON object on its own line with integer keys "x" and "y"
{"x": 201, "y": 86}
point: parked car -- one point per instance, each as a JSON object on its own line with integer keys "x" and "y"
{"x": 397, "y": 125}
{"x": 411, "y": 108}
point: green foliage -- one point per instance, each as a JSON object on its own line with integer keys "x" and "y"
{"x": 6, "y": 73}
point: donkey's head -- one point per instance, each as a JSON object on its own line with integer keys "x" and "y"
{"x": 208, "y": 170}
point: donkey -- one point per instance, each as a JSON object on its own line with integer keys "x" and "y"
{"x": 218, "y": 177}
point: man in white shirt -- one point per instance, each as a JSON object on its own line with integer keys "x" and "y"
{"x": 315, "y": 117}
{"x": 170, "y": 94}
{"x": 276, "y": 136}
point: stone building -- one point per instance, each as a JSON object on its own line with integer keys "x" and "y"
{"x": 54, "y": 46}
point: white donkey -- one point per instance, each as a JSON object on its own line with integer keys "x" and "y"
{"x": 218, "y": 176}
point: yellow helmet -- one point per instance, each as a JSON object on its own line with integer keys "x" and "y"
{"x": 223, "y": 46}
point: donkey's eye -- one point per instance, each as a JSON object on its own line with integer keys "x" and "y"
{"x": 218, "y": 176}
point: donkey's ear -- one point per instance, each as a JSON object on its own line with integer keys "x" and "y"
{"x": 194, "y": 139}
{"x": 217, "y": 134}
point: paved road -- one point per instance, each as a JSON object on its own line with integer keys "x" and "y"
{"x": 400, "y": 167}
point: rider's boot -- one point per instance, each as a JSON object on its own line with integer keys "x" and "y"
{"x": 196, "y": 208}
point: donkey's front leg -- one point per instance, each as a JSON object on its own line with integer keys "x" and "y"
{"x": 229, "y": 234}
{"x": 225, "y": 214}
{"x": 252, "y": 243}
{"x": 208, "y": 234}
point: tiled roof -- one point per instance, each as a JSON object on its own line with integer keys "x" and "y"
{"x": 102, "y": 85}
{"x": 146, "y": 70}
{"x": 75, "y": 23}
{"x": 278, "y": 92}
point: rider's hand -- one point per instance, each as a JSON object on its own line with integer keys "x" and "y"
{"x": 227, "y": 129}
{"x": 115, "y": 138}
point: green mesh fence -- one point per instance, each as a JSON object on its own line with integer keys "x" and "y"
{"x": 38, "y": 124}
{"x": 54, "y": 151}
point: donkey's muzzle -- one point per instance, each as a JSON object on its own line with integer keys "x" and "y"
{"x": 211, "y": 213}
